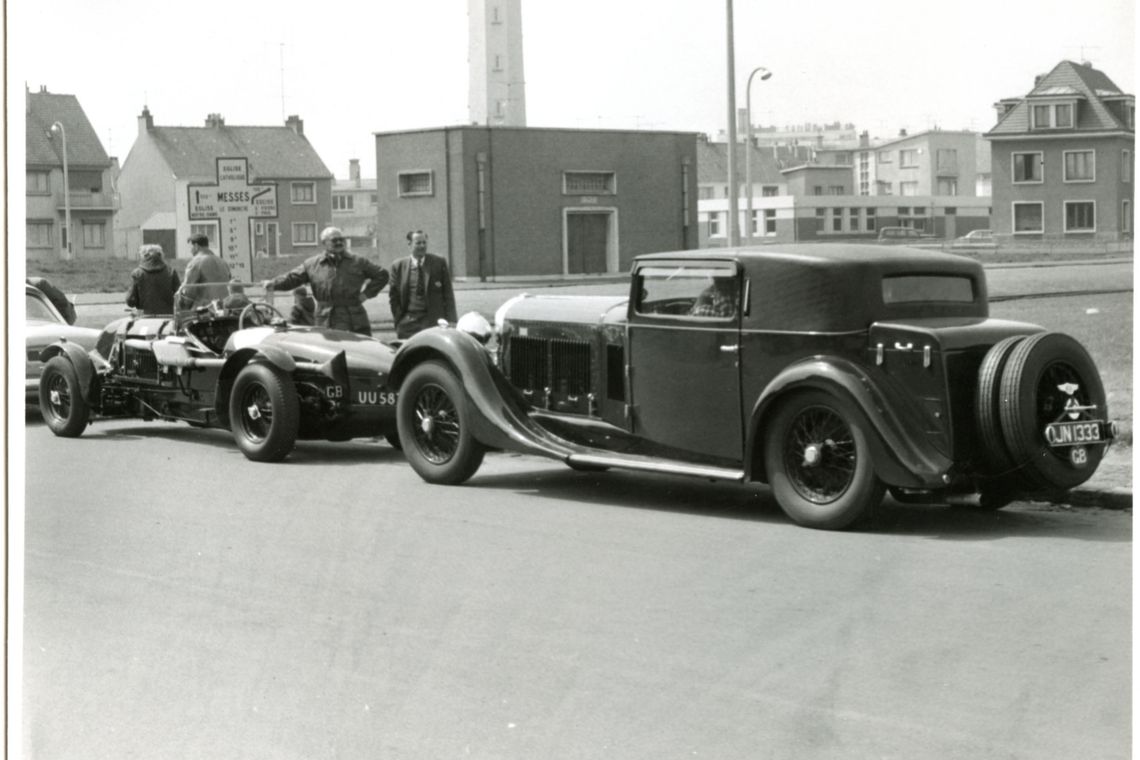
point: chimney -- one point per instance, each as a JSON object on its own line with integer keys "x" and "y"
{"x": 294, "y": 123}
{"x": 354, "y": 170}
{"x": 215, "y": 120}
{"x": 146, "y": 121}
{"x": 902, "y": 132}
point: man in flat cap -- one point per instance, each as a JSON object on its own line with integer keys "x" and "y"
{"x": 206, "y": 275}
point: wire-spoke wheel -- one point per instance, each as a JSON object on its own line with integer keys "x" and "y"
{"x": 435, "y": 425}
{"x": 62, "y": 405}
{"x": 819, "y": 464}
{"x": 264, "y": 413}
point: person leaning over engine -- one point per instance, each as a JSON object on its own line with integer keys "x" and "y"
{"x": 341, "y": 283}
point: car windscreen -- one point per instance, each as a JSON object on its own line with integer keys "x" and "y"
{"x": 927, "y": 288}
{"x": 37, "y": 310}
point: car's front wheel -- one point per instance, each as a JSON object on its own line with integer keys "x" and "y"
{"x": 818, "y": 460}
{"x": 435, "y": 426}
{"x": 62, "y": 405}
{"x": 265, "y": 413}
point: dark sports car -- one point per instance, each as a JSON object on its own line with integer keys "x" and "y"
{"x": 830, "y": 372}
{"x": 268, "y": 382}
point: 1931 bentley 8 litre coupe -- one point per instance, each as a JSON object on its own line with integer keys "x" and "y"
{"x": 247, "y": 370}
{"x": 830, "y": 372}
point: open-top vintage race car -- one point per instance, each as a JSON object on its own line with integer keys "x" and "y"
{"x": 830, "y": 372}
{"x": 246, "y": 370}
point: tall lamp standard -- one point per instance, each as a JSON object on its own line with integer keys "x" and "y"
{"x": 58, "y": 127}
{"x": 748, "y": 149}
{"x": 733, "y": 189}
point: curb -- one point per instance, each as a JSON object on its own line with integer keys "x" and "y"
{"x": 1105, "y": 498}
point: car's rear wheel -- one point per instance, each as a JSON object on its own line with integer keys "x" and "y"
{"x": 62, "y": 405}
{"x": 265, "y": 413}
{"x": 817, "y": 457}
{"x": 435, "y": 425}
{"x": 1050, "y": 378}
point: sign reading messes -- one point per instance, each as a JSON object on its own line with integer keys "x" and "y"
{"x": 233, "y": 202}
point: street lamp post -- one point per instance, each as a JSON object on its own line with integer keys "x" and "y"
{"x": 748, "y": 149}
{"x": 58, "y": 127}
{"x": 733, "y": 189}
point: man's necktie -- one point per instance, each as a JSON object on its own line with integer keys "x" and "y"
{"x": 420, "y": 279}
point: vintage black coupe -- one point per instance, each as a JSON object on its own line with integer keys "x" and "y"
{"x": 246, "y": 370}
{"x": 830, "y": 372}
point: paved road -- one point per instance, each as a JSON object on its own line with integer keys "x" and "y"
{"x": 182, "y": 602}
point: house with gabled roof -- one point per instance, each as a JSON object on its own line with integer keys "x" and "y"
{"x": 90, "y": 196}
{"x": 165, "y": 162}
{"x": 1062, "y": 159}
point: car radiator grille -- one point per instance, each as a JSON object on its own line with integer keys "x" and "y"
{"x": 552, "y": 373}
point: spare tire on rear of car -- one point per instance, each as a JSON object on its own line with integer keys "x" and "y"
{"x": 1050, "y": 378}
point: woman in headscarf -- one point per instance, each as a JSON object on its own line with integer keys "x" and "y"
{"x": 153, "y": 283}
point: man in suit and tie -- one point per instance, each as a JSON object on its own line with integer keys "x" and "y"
{"x": 420, "y": 294}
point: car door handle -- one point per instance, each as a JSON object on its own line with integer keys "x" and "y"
{"x": 730, "y": 349}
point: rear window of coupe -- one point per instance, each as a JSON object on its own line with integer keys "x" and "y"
{"x": 928, "y": 288}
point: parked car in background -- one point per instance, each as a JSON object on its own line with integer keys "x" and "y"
{"x": 43, "y": 326}
{"x": 245, "y": 370}
{"x": 976, "y": 239}
{"x": 900, "y": 235}
{"x": 831, "y": 372}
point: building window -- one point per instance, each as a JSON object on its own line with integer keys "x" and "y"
{"x": 1053, "y": 116}
{"x": 870, "y": 220}
{"x": 414, "y": 183}
{"x": 770, "y": 221}
{"x": 304, "y": 233}
{"x": 714, "y": 224}
{"x": 94, "y": 235}
{"x": 947, "y": 186}
{"x": 303, "y": 192}
{"x": 817, "y": 190}
{"x": 342, "y": 202}
{"x": 1028, "y": 218}
{"x": 837, "y": 220}
{"x": 1027, "y": 167}
{"x": 769, "y": 191}
{"x": 39, "y": 183}
{"x": 837, "y": 190}
{"x": 589, "y": 183}
{"x": 1126, "y": 216}
{"x": 1126, "y": 166}
{"x": 908, "y": 188}
{"x": 39, "y": 234}
{"x": 498, "y": 64}
{"x": 947, "y": 159}
{"x": 821, "y": 220}
{"x": 372, "y": 199}
{"x": 209, "y": 230}
{"x": 1080, "y": 166}
{"x": 908, "y": 158}
{"x": 882, "y": 187}
{"x": 884, "y": 157}
{"x": 1080, "y": 216}
{"x": 1130, "y": 115}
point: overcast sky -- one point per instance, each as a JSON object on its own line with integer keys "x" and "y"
{"x": 349, "y": 68}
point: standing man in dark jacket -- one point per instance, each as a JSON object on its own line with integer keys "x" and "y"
{"x": 153, "y": 283}
{"x": 421, "y": 292}
{"x": 341, "y": 284}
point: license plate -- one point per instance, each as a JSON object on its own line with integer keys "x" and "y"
{"x": 1073, "y": 433}
{"x": 375, "y": 398}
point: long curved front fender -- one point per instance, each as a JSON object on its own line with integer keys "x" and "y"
{"x": 901, "y": 457}
{"x": 80, "y": 360}
{"x": 500, "y": 414}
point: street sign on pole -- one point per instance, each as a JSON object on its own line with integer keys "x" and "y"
{"x": 232, "y": 201}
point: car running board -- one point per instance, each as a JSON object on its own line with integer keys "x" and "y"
{"x": 649, "y": 464}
